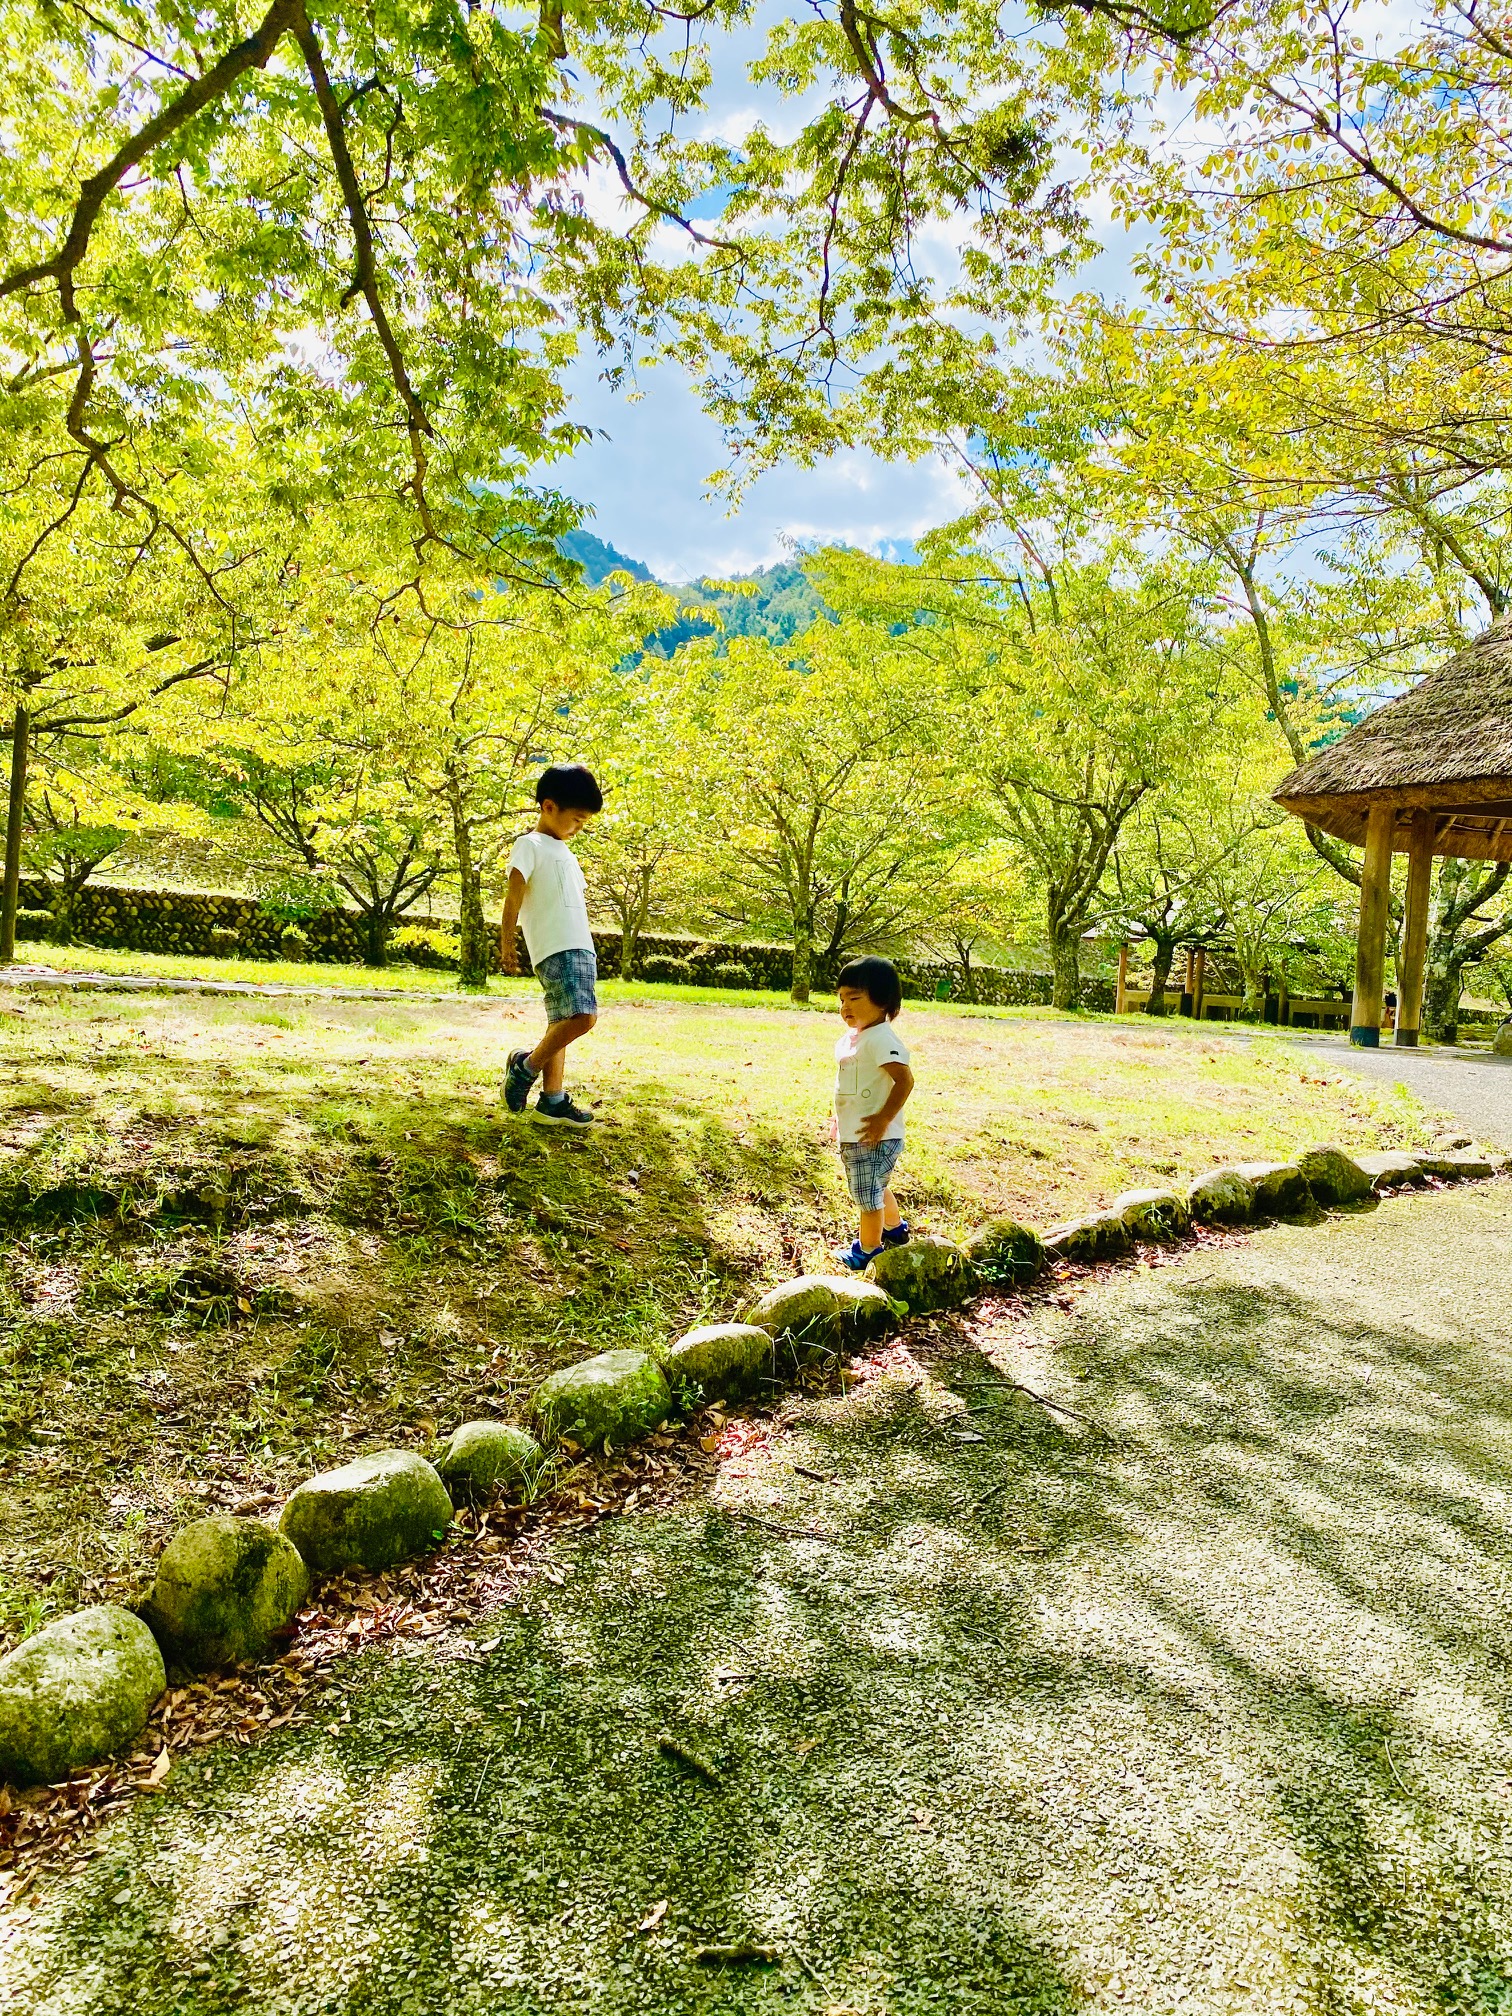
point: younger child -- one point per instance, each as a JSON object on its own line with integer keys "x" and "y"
{"x": 872, "y": 1082}
{"x": 547, "y": 899}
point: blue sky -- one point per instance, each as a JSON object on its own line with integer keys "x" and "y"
{"x": 646, "y": 484}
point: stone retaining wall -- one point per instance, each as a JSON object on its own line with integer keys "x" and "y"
{"x": 182, "y": 921}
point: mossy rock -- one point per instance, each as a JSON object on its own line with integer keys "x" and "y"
{"x": 1159, "y": 1217}
{"x": 1391, "y": 1169}
{"x": 75, "y": 1693}
{"x": 1281, "y": 1190}
{"x": 369, "y": 1513}
{"x": 1101, "y": 1235}
{"x": 928, "y": 1273}
{"x": 225, "y": 1589}
{"x": 616, "y": 1397}
{"x": 1221, "y": 1197}
{"x": 482, "y": 1457}
{"x": 1003, "y": 1250}
{"x": 1468, "y": 1164}
{"x": 1334, "y": 1177}
{"x": 824, "y": 1312}
{"x": 722, "y": 1359}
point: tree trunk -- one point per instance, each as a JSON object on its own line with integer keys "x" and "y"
{"x": 1443, "y": 979}
{"x": 1458, "y": 893}
{"x": 1252, "y": 1005}
{"x": 1165, "y": 952}
{"x": 10, "y": 888}
{"x": 376, "y": 924}
{"x": 475, "y": 941}
{"x": 803, "y": 960}
{"x": 62, "y": 932}
{"x": 1065, "y": 964}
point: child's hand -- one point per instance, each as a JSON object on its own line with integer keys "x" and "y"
{"x": 872, "y": 1131}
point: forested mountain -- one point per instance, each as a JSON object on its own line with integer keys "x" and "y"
{"x": 774, "y": 602}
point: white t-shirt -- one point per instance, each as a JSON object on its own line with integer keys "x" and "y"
{"x": 862, "y": 1087}
{"x": 554, "y": 915}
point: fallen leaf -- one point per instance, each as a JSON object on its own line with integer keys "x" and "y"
{"x": 708, "y": 1444}
{"x": 162, "y": 1767}
{"x": 654, "y": 1916}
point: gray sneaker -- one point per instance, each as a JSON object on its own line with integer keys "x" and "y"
{"x": 558, "y": 1110}
{"x": 518, "y": 1079}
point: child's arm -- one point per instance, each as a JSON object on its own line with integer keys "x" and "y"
{"x": 875, "y": 1125}
{"x": 514, "y": 896}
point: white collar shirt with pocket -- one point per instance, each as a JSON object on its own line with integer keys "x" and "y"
{"x": 862, "y": 1086}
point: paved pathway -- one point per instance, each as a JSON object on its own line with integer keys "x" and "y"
{"x": 1474, "y": 1087}
{"x": 1197, "y": 1699}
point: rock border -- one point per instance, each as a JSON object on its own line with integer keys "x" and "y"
{"x": 616, "y": 1397}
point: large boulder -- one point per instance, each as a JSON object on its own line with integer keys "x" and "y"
{"x": 1390, "y": 1169}
{"x": 928, "y": 1273}
{"x": 1332, "y": 1176}
{"x": 1280, "y": 1189}
{"x": 721, "y": 1359}
{"x": 1101, "y": 1235}
{"x": 823, "y": 1312}
{"x": 482, "y": 1457}
{"x": 1501, "y": 1042}
{"x": 78, "y": 1691}
{"x": 1157, "y": 1216}
{"x": 225, "y": 1589}
{"x": 1221, "y": 1197}
{"x": 369, "y": 1513}
{"x": 1002, "y": 1250}
{"x": 615, "y": 1397}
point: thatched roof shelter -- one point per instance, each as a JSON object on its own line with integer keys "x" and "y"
{"x": 1428, "y": 774}
{"x": 1445, "y": 747}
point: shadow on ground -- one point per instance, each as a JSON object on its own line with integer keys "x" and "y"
{"x": 1192, "y": 1698}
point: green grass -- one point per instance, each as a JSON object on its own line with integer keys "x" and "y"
{"x": 241, "y": 1240}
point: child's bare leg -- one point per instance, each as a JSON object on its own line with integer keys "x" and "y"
{"x": 871, "y": 1231}
{"x": 891, "y": 1215}
{"x": 549, "y": 1056}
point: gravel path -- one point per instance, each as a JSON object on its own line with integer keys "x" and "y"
{"x": 1194, "y": 1697}
{"x": 1473, "y": 1086}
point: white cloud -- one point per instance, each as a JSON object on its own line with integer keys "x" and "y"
{"x": 646, "y": 483}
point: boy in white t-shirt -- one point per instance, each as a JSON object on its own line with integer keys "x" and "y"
{"x": 872, "y": 1083}
{"x": 547, "y": 899}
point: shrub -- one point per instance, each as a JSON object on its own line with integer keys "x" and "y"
{"x": 34, "y": 925}
{"x": 731, "y": 973}
{"x": 438, "y": 951}
{"x": 678, "y": 971}
{"x": 294, "y": 944}
{"x": 224, "y": 943}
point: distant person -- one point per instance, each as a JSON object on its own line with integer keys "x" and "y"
{"x": 872, "y": 1083}
{"x": 547, "y": 899}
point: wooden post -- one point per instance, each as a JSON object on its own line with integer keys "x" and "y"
{"x": 1184, "y": 1006}
{"x": 1123, "y": 979}
{"x": 10, "y": 888}
{"x": 1370, "y": 947}
{"x": 1415, "y": 931}
{"x": 1199, "y": 975}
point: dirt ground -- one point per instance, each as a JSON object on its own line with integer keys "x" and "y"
{"x": 1188, "y": 1692}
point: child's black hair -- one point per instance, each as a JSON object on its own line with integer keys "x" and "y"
{"x": 877, "y": 979}
{"x": 570, "y": 786}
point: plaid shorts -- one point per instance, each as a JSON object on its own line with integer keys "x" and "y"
{"x": 868, "y": 1171}
{"x": 567, "y": 979}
